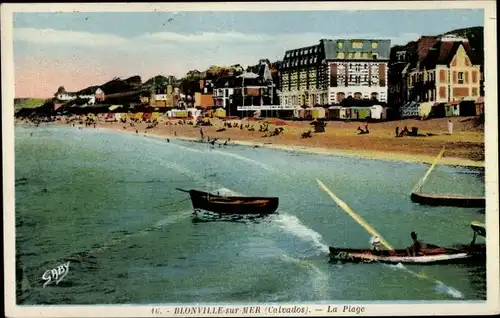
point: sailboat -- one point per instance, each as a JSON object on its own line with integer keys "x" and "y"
{"x": 231, "y": 205}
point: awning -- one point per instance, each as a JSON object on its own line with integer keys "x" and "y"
{"x": 469, "y": 99}
{"x": 113, "y": 107}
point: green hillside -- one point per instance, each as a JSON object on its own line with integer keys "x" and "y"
{"x": 28, "y": 102}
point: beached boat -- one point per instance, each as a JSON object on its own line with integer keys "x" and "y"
{"x": 432, "y": 254}
{"x": 233, "y": 205}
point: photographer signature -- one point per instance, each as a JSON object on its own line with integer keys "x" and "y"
{"x": 56, "y": 274}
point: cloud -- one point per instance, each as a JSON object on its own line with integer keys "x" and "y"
{"x": 55, "y": 54}
{"x": 51, "y": 37}
{"x": 172, "y": 39}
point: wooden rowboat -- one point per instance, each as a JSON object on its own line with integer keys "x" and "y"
{"x": 430, "y": 256}
{"x": 433, "y": 254}
{"x": 232, "y": 205}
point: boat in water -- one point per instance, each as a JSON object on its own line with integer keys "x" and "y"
{"x": 232, "y": 205}
{"x": 432, "y": 254}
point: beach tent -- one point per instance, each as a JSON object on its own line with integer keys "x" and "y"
{"x": 124, "y": 116}
{"x": 138, "y": 116}
{"x": 479, "y": 106}
{"x": 467, "y": 107}
{"x": 424, "y": 109}
{"x": 318, "y": 112}
{"x": 334, "y": 112}
{"x": 220, "y": 112}
{"x": 155, "y": 116}
{"x": 146, "y": 116}
{"x": 452, "y": 109}
{"x": 117, "y": 116}
{"x": 378, "y": 112}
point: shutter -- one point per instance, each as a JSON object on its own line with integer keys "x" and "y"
{"x": 466, "y": 77}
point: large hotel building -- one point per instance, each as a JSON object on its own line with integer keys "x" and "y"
{"x": 333, "y": 70}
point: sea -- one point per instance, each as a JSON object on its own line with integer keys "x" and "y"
{"x": 106, "y": 202}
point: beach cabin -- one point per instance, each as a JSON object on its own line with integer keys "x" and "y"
{"x": 110, "y": 117}
{"x": 354, "y": 112}
{"x": 156, "y": 116}
{"x": 378, "y": 112}
{"x": 452, "y": 109}
{"x": 479, "y": 106}
{"x": 138, "y": 116}
{"x": 117, "y": 116}
{"x": 334, "y": 112}
{"x": 424, "y": 110}
{"x": 220, "y": 112}
{"x": 318, "y": 113}
{"x": 467, "y": 106}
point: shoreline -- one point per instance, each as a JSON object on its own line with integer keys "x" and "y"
{"x": 348, "y": 153}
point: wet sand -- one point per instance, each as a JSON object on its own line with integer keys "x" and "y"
{"x": 465, "y": 147}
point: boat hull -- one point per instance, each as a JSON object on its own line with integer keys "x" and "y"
{"x": 233, "y": 205}
{"x": 432, "y": 256}
{"x": 448, "y": 200}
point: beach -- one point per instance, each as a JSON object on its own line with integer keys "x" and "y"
{"x": 465, "y": 147}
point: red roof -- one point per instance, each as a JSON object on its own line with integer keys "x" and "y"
{"x": 425, "y": 43}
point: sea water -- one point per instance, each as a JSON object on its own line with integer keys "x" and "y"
{"x": 106, "y": 201}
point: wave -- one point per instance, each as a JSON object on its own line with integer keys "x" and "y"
{"x": 439, "y": 286}
{"x": 319, "y": 279}
{"x": 255, "y": 162}
{"x": 292, "y": 225}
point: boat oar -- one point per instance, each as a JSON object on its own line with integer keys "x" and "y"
{"x": 421, "y": 182}
{"x": 355, "y": 216}
{"x": 450, "y": 290}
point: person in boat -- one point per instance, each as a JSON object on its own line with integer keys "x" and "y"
{"x": 375, "y": 242}
{"x": 417, "y": 246}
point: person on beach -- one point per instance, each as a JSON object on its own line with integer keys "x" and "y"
{"x": 450, "y": 127}
{"x": 136, "y": 131}
{"x": 397, "y": 131}
{"x": 201, "y": 133}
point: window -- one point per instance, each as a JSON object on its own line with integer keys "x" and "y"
{"x": 340, "y": 45}
{"x": 357, "y": 45}
{"x": 374, "y": 56}
{"x": 374, "y": 45}
{"x": 460, "y": 77}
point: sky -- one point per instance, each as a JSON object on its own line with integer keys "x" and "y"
{"x": 79, "y": 49}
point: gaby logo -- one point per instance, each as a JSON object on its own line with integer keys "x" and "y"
{"x": 56, "y": 274}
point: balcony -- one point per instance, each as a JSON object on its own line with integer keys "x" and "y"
{"x": 268, "y": 107}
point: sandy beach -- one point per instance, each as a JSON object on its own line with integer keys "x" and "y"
{"x": 465, "y": 147}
